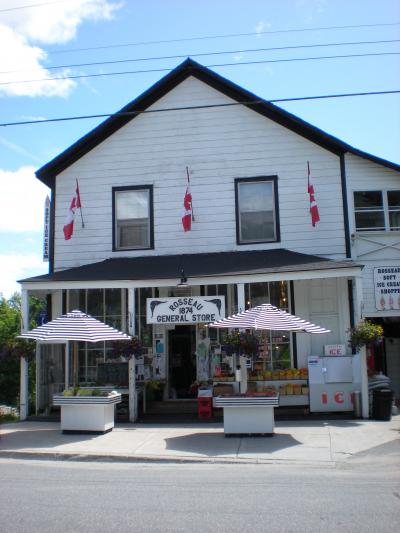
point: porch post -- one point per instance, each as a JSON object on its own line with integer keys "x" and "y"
{"x": 131, "y": 311}
{"x": 132, "y": 391}
{"x": 25, "y": 310}
{"x": 240, "y": 297}
{"x": 37, "y": 377}
{"x": 24, "y": 390}
{"x": 24, "y": 381}
{"x": 358, "y": 313}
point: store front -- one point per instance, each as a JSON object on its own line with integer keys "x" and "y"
{"x": 179, "y": 352}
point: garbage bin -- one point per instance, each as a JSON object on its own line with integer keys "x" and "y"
{"x": 382, "y": 404}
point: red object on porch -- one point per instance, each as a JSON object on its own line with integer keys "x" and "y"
{"x": 204, "y": 407}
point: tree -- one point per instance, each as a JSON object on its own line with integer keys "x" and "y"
{"x": 11, "y": 349}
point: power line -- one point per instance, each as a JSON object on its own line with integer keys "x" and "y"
{"x": 206, "y": 106}
{"x": 250, "y": 50}
{"x": 236, "y": 64}
{"x": 32, "y": 5}
{"x": 223, "y": 36}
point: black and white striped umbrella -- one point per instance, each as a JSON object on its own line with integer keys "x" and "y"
{"x": 74, "y": 326}
{"x": 267, "y": 316}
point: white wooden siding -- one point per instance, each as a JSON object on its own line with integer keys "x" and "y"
{"x": 218, "y": 145}
{"x": 324, "y": 302}
{"x": 374, "y": 248}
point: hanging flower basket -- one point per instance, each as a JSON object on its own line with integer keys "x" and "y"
{"x": 366, "y": 333}
{"x": 127, "y": 349}
{"x": 240, "y": 343}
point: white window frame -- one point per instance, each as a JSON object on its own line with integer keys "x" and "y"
{"x": 385, "y": 209}
{"x": 116, "y": 238}
{"x": 273, "y": 180}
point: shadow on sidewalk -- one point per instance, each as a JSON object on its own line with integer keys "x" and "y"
{"x": 40, "y": 438}
{"x": 216, "y": 444}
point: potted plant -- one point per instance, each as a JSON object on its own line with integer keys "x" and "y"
{"x": 87, "y": 410}
{"x": 242, "y": 343}
{"x": 365, "y": 333}
{"x": 127, "y": 349}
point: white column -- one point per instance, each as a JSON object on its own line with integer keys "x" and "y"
{"x": 67, "y": 360}
{"x": 131, "y": 311}
{"x": 37, "y": 378}
{"x": 132, "y": 391}
{"x": 23, "y": 380}
{"x": 358, "y": 314}
{"x": 56, "y": 304}
{"x": 240, "y": 297}
{"x": 24, "y": 389}
{"x": 25, "y": 310}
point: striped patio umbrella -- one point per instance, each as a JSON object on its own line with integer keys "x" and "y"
{"x": 267, "y": 316}
{"x": 74, "y": 326}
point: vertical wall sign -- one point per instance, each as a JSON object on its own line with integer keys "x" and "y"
{"x": 387, "y": 288}
{"x": 46, "y": 230}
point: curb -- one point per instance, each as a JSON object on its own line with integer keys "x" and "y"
{"x": 80, "y": 457}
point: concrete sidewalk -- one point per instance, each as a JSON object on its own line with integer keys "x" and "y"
{"x": 306, "y": 441}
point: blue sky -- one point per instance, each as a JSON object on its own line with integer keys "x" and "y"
{"x": 39, "y": 38}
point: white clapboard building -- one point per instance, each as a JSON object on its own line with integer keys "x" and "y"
{"x": 253, "y": 238}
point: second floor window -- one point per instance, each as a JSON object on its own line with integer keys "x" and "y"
{"x": 257, "y": 210}
{"x": 133, "y": 224}
{"x": 377, "y": 210}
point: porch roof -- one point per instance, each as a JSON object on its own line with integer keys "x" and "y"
{"x": 202, "y": 265}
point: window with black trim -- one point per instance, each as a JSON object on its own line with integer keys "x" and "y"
{"x": 133, "y": 217}
{"x": 377, "y": 210}
{"x": 257, "y": 216}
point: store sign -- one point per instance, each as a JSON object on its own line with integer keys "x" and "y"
{"x": 185, "y": 309}
{"x": 387, "y": 288}
{"x": 334, "y": 349}
{"x": 46, "y": 230}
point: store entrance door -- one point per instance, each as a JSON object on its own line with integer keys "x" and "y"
{"x": 182, "y": 360}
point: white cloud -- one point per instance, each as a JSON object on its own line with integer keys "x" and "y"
{"x": 21, "y": 33}
{"x": 260, "y": 26}
{"x": 13, "y": 267}
{"x": 22, "y": 198}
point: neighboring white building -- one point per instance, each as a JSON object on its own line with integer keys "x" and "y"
{"x": 251, "y": 239}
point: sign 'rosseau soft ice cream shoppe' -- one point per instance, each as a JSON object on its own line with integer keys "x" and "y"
{"x": 185, "y": 310}
{"x": 387, "y": 287}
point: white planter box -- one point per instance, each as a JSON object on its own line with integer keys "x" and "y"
{"x": 248, "y": 415}
{"x": 87, "y": 414}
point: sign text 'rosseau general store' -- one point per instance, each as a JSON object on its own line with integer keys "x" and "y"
{"x": 185, "y": 310}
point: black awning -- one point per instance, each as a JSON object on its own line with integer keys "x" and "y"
{"x": 195, "y": 265}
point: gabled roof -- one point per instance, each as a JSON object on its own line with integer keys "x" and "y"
{"x": 188, "y": 68}
{"x": 150, "y": 267}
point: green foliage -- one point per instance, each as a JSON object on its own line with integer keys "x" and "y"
{"x": 364, "y": 334}
{"x": 77, "y": 391}
{"x": 11, "y": 349}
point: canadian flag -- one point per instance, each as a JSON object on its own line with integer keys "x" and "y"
{"x": 187, "y": 210}
{"x": 68, "y": 228}
{"x": 313, "y": 204}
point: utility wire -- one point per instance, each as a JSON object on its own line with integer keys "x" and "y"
{"x": 236, "y": 64}
{"x": 206, "y": 106}
{"x": 250, "y": 50}
{"x": 32, "y": 5}
{"x": 223, "y": 36}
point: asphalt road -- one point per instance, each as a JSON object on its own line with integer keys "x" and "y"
{"x": 51, "y": 496}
